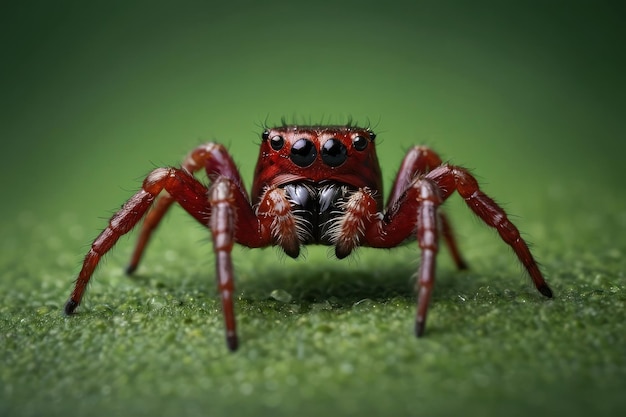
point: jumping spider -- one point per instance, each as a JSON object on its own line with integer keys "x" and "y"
{"x": 312, "y": 185}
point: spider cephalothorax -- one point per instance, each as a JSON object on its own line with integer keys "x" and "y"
{"x": 312, "y": 185}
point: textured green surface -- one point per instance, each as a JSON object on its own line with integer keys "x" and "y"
{"x": 531, "y": 97}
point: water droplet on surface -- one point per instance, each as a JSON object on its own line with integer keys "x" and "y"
{"x": 281, "y": 295}
{"x": 321, "y": 306}
{"x": 157, "y": 302}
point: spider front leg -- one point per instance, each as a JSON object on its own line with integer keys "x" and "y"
{"x": 415, "y": 211}
{"x": 223, "y": 223}
{"x": 190, "y": 193}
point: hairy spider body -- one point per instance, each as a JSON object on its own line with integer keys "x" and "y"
{"x": 312, "y": 185}
{"x": 316, "y": 209}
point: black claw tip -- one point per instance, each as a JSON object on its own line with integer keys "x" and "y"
{"x": 545, "y": 290}
{"x": 70, "y": 306}
{"x": 232, "y": 342}
{"x": 420, "y": 326}
{"x": 341, "y": 252}
{"x": 292, "y": 252}
{"x": 130, "y": 269}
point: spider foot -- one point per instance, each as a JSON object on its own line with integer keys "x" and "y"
{"x": 462, "y": 265}
{"x": 130, "y": 269}
{"x": 545, "y": 290}
{"x": 70, "y": 306}
{"x": 232, "y": 342}
{"x": 420, "y": 326}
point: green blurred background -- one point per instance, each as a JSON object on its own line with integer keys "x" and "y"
{"x": 94, "y": 93}
{"x": 529, "y": 94}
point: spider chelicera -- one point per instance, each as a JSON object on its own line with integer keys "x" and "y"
{"x": 312, "y": 185}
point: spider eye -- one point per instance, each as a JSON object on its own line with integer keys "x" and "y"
{"x": 277, "y": 142}
{"x": 359, "y": 143}
{"x": 334, "y": 153}
{"x": 372, "y": 135}
{"x": 265, "y": 135}
{"x": 303, "y": 152}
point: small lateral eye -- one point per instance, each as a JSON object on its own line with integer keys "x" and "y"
{"x": 265, "y": 135}
{"x": 277, "y": 142}
{"x": 359, "y": 143}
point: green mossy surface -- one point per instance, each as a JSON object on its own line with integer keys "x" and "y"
{"x": 317, "y": 335}
{"x": 531, "y": 97}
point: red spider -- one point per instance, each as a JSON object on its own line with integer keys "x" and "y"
{"x": 312, "y": 184}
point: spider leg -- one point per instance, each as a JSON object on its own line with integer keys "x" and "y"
{"x": 150, "y": 223}
{"x": 222, "y": 224}
{"x": 212, "y": 156}
{"x": 362, "y": 222}
{"x": 234, "y": 221}
{"x": 224, "y": 208}
{"x": 448, "y": 235}
{"x": 416, "y": 212}
{"x": 190, "y": 193}
{"x": 450, "y": 178}
{"x": 427, "y": 239}
{"x": 418, "y": 161}
{"x": 423, "y": 197}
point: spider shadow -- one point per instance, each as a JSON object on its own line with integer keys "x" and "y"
{"x": 308, "y": 281}
{"x": 345, "y": 282}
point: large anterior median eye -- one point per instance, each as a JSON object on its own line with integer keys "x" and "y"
{"x": 303, "y": 152}
{"x": 334, "y": 153}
